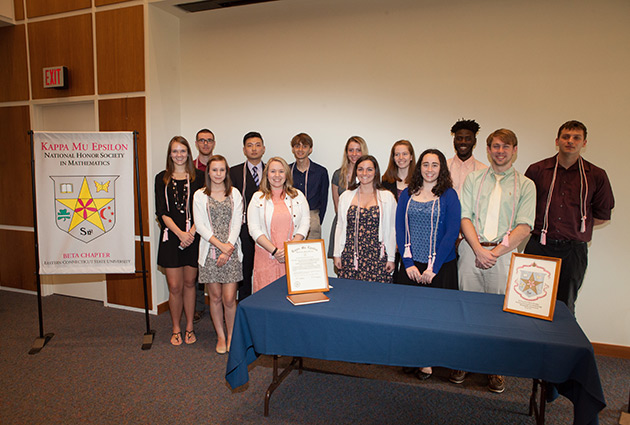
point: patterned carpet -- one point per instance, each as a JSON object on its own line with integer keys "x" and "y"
{"x": 93, "y": 372}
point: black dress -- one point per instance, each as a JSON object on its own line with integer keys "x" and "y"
{"x": 175, "y": 201}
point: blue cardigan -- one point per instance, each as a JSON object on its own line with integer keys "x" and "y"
{"x": 447, "y": 234}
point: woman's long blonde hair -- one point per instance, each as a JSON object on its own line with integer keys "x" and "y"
{"x": 288, "y": 188}
{"x": 345, "y": 163}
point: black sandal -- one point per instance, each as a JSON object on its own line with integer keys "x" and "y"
{"x": 190, "y": 337}
{"x": 176, "y": 338}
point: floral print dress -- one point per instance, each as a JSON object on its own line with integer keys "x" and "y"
{"x": 371, "y": 258}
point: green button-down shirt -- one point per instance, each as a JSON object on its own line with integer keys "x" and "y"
{"x": 475, "y": 202}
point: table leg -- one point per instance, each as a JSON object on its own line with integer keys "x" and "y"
{"x": 534, "y": 408}
{"x": 277, "y": 379}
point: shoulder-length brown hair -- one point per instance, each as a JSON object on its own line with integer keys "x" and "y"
{"x": 444, "y": 180}
{"x": 170, "y": 167}
{"x": 227, "y": 182}
{"x": 391, "y": 174}
{"x": 377, "y": 173}
{"x": 288, "y": 188}
{"x": 343, "y": 173}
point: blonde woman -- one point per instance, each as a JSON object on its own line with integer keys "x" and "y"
{"x": 218, "y": 212}
{"x": 276, "y": 214}
{"x": 342, "y": 178}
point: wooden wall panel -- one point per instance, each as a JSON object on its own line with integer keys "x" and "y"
{"x": 16, "y": 199}
{"x": 18, "y": 7}
{"x": 17, "y": 260}
{"x": 13, "y": 66}
{"x": 120, "y": 50}
{"x": 49, "y": 7}
{"x": 62, "y": 42}
{"x": 126, "y": 289}
{"x": 105, "y": 2}
{"x": 129, "y": 114}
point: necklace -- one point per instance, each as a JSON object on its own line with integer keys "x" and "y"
{"x": 178, "y": 203}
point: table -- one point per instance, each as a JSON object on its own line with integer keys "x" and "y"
{"x": 390, "y": 324}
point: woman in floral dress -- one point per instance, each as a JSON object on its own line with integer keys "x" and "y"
{"x": 218, "y": 210}
{"x": 365, "y": 241}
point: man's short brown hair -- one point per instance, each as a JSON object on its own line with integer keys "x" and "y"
{"x": 572, "y": 125}
{"x": 503, "y": 134}
{"x": 302, "y": 139}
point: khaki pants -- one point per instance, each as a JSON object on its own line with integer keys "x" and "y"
{"x": 471, "y": 278}
{"x": 315, "y": 231}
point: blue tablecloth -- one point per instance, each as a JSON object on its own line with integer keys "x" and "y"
{"x": 402, "y": 325}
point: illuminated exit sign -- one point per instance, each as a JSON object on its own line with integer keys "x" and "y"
{"x": 56, "y": 77}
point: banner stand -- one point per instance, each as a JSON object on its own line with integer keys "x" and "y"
{"x": 42, "y": 340}
{"x": 147, "y": 339}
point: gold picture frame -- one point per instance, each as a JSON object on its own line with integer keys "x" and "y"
{"x": 307, "y": 273}
{"x": 532, "y": 285}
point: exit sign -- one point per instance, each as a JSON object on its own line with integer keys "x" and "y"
{"x": 56, "y": 77}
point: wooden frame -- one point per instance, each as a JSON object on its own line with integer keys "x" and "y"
{"x": 309, "y": 257}
{"x": 532, "y": 285}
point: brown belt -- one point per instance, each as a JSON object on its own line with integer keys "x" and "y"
{"x": 489, "y": 243}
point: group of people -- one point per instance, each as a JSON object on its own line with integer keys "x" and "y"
{"x": 442, "y": 223}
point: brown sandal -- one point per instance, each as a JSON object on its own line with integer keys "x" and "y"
{"x": 176, "y": 338}
{"x": 190, "y": 337}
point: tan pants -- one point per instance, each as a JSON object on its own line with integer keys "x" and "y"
{"x": 315, "y": 231}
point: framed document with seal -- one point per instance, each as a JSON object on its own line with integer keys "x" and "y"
{"x": 532, "y": 285}
{"x": 307, "y": 274}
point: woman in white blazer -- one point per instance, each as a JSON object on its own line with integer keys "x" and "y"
{"x": 218, "y": 211}
{"x": 365, "y": 237}
{"x": 277, "y": 213}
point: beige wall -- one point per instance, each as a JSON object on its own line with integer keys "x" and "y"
{"x": 163, "y": 118}
{"x": 391, "y": 69}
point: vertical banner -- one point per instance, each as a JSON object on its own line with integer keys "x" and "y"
{"x": 85, "y": 220}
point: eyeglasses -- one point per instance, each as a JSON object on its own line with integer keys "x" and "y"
{"x": 205, "y": 141}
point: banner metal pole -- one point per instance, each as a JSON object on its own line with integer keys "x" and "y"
{"x": 147, "y": 340}
{"x": 42, "y": 340}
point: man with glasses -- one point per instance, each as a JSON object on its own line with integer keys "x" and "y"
{"x": 205, "y": 145}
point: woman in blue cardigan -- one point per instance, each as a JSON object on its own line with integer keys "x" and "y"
{"x": 427, "y": 225}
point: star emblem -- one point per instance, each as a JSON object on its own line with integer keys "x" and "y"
{"x": 530, "y": 283}
{"x": 85, "y": 207}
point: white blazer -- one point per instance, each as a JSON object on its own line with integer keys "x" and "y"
{"x": 260, "y": 211}
{"x": 204, "y": 227}
{"x": 386, "y": 223}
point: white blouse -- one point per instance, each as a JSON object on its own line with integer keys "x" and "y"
{"x": 260, "y": 212}
{"x": 204, "y": 227}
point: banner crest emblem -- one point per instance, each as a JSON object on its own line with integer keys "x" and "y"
{"x": 85, "y": 206}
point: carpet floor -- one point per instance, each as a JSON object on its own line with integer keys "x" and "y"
{"x": 94, "y": 372}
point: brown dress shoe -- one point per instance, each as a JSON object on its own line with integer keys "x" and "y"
{"x": 457, "y": 376}
{"x": 496, "y": 383}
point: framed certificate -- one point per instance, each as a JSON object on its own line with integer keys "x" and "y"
{"x": 306, "y": 266}
{"x": 532, "y": 285}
